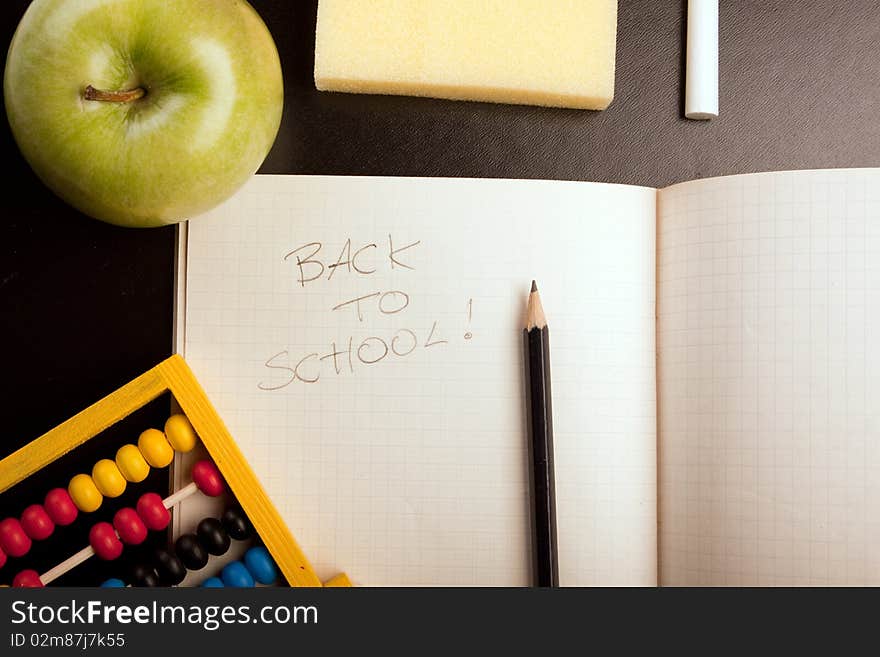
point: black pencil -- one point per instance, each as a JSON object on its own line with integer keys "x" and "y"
{"x": 545, "y": 565}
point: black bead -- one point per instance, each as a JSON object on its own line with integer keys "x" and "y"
{"x": 168, "y": 567}
{"x": 213, "y": 537}
{"x": 191, "y": 552}
{"x": 237, "y": 524}
{"x": 143, "y": 575}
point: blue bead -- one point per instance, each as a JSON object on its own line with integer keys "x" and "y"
{"x": 113, "y": 583}
{"x": 260, "y": 565}
{"x": 213, "y": 583}
{"x": 236, "y": 575}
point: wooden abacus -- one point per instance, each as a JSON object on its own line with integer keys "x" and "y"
{"x": 273, "y": 548}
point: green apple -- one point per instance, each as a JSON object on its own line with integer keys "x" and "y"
{"x": 143, "y": 112}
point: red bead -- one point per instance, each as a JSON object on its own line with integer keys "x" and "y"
{"x": 28, "y": 579}
{"x": 13, "y": 539}
{"x": 104, "y": 541}
{"x": 207, "y": 478}
{"x": 153, "y": 512}
{"x": 131, "y": 528}
{"x": 2, "y": 558}
{"x": 60, "y": 507}
{"x": 36, "y": 523}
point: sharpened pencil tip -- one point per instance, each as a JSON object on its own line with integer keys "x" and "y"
{"x": 534, "y": 311}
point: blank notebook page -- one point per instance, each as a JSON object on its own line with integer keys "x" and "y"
{"x": 390, "y": 430}
{"x": 769, "y": 371}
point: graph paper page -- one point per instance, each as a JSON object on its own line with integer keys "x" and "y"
{"x": 389, "y": 430}
{"x": 769, "y": 371}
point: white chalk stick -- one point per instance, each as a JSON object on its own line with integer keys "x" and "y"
{"x": 701, "y": 87}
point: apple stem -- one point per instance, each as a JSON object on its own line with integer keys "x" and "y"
{"x": 90, "y": 93}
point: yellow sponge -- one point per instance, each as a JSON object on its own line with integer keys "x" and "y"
{"x": 557, "y": 53}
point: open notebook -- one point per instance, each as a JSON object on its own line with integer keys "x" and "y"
{"x": 714, "y": 357}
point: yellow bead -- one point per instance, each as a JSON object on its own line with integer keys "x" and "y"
{"x": 131, "y": 463}
{"x": 180, "y": 433}
{"x": 108, "y": 478}
{"x": 155, "y": 448}
{"x": 84, "y": 493}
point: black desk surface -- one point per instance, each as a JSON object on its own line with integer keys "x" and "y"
{"x": 86, "y": 306}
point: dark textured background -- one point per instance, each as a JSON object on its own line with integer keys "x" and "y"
{"x": 85, "y": 306}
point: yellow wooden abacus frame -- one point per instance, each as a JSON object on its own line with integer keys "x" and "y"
{"x": 174, "y": 375}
